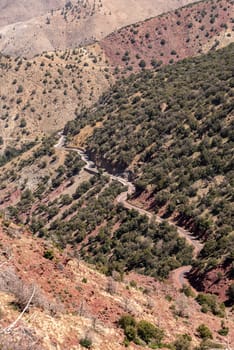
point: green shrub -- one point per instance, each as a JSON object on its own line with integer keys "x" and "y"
{"x": 204, "y": 332}
{"x": 148, "y": 332}
{"x": 86, "y": 342}
{"x": 143, "y": 331}
{"x": 23, "y": 123}
{"x": 48, "y": 254}
{"x": 230, "y": 293}
{"x": 130, "y": 333}
{"x": 126, "y": 321}
{"x": 142, "y": 64}
{"x": 209, "y": 302}
{"x": 208, "y": 344}
{"x": 183, "y": 342}
{"x": 223, "y": 330}
{"x": 133, "y": 284}
{"x": 187, "y": 290}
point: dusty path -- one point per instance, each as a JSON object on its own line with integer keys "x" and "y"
{"x": 178, "y": 276}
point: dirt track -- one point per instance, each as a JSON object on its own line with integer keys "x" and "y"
{"x": 178, "y": 276}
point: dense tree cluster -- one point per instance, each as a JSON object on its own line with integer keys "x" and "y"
{"x": 174, "y": 130}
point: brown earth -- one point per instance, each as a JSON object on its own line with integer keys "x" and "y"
{"x": 171, "y": 37}
{"x": 27, "y": 28}
{"x": 14, "y": 11}
{"x": 214, "y": 281}
{"x": 87, "y": 303}
{"x": 47, "y": 91}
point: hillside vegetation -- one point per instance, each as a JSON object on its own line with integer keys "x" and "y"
{"x": 74, "y": 302}
{"x": 41, "y": 94}
{"x": 168, "y": 38}
{"x": 61, "y": 202}
{"x": 31, "y": 28}
{"x": 116, "y": 175}
{"x": 173, "y": 132}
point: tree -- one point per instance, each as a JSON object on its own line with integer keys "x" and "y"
{"x": 86, "y": 342}
{"x": 20, "y": 89}
{"x": 142, "y": 64}
{"x": 23, "y": 123}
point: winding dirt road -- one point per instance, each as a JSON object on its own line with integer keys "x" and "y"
{"x": 178, "y": 276}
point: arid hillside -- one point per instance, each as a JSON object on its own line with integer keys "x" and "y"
{"x": 72, "y": 302}
{"x": 186, "y": 32}
{"x": 13, "y": 11}
{"x": 27, "y": 29}
{"x": 41, "y": 94}
{"x": 38, "y": 96}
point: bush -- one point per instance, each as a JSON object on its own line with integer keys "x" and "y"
{"x": 204, "y": 332}
{"x": 126, "y": 321}
{"x": 208, "y": 344}
{"x": 187, "y": 290}
{"x": 142, "y": 331}
{"x": 130, "y": 333}
{"x": 183, "y": 342}
{"x": 223, "y": 330}
{"x": 23, "y": 123}
{"x": 148, "y": 332}
{"x": 20, "y": 89}
{"x": 86, "y": 343}
{"x": 142, "y": 64}
{"x": 209, "y": 303}
{"x": 48, "y": 254}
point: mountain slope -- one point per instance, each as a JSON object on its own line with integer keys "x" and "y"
{"x": 172, "y": 132}
{"x": 73, "y": 24}
{"x": 165, "y": 39}
{"x": 74, "y": 301}
{"x": 41, "y": 94}
{"x": 12, "y": 11}
{"x": 69, "y": 80}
